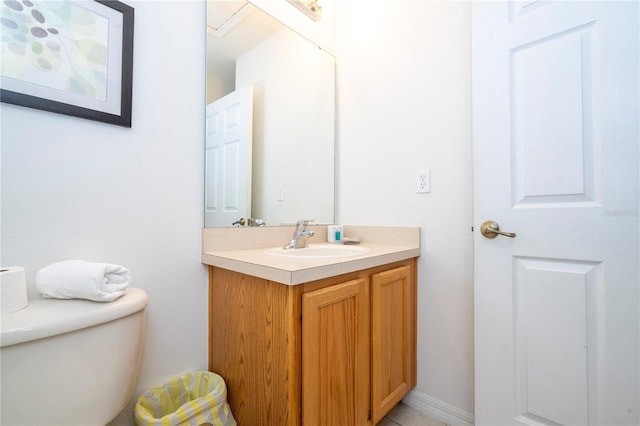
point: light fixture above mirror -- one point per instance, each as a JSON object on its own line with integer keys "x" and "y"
{"x": 311, "y": 8}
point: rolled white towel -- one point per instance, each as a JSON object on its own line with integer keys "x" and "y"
{"x": 79, "y": 279}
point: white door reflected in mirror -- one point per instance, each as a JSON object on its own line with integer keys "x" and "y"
{"x": 228, "y": 158}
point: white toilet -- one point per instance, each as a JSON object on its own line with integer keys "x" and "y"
{"x": 70, "y": 362}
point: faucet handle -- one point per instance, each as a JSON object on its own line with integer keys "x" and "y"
{"x": 301, "y": 225}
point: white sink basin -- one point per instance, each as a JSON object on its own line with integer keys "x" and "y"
{"x": 319, "y": 251}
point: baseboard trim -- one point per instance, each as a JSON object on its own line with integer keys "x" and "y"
{"x": 439, "y": 410}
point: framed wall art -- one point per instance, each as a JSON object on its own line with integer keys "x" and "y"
{"x": 72, "y": 57}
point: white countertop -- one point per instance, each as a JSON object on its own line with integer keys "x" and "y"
{"x": 384, "y": 244}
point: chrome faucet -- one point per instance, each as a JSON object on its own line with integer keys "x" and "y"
{"x": 300, "y": 235}
{"x": 249, "y": 222}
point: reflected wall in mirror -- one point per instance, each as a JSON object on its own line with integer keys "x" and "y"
{"x": 270, "y": 121}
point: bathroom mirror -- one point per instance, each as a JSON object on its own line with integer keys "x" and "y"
{"x": 270, "y": 121}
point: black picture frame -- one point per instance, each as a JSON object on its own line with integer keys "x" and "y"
{"x": 107, "y": 60}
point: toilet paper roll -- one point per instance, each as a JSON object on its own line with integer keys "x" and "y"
{"x": 13, "y": 289}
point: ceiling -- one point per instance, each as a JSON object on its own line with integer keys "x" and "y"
{"x": 234, "y": 27}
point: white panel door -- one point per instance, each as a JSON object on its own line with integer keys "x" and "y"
{"x": 556, "y": 153}
{"x": 228, "y": 158}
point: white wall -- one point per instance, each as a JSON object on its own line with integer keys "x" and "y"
{"x": 404, "y": 105}
{"x": 74, "y": 188}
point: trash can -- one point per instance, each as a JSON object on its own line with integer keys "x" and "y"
{"x": 193, "y": 399}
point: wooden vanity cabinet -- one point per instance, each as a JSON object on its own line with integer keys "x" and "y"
{"x": 337, "y": 351}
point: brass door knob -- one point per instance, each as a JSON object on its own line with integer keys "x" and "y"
{"x": 491, "y": 229}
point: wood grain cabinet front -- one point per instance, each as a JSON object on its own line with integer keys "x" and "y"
{"x": 393, "y": 321}
{"x": 338, "y": 351}
{"x": 335, "y": 354}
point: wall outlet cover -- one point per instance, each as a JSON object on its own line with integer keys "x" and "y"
{"x": 423, "y": 181}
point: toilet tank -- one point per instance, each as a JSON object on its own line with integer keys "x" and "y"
{"x": 70, "y": 362}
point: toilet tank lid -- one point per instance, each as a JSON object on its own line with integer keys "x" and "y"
{"x": 49, "y": 317}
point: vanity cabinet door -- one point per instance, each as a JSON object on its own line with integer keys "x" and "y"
{"x": 335, "y": 355}
{"x": 392, "y": 339}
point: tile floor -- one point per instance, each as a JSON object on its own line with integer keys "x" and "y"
{"x": 403, "y": 415}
